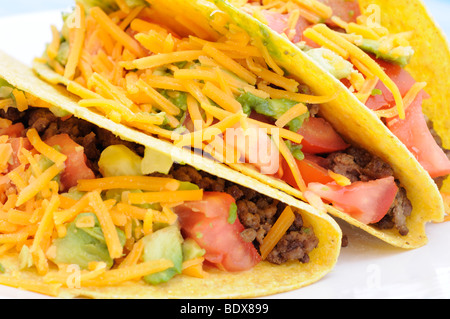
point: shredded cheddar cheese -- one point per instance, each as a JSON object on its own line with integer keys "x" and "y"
{"x": 78, "y": 42}
{"x": 165, "y": 197}
{"x": 366, "y": 60}
{"x": 116, "y": 32}
{"x": 50, "y": 152}
{"x": 277, "y": 231}
{"x": 291, "y": 114}
{"x": 145, "y": 183}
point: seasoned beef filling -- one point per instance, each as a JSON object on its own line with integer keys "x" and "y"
{"x": 257, "y": 214}
{"x": 359, "y": 165}
{"x": 438, "y": 180}
{"x": 93, "y": 138}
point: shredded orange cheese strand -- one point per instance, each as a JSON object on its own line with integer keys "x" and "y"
{"x": 165, "y": 197}
{"x": 297, "y": 97}
{"x": 365, "y": 59}
{"x": 77, "y": 47}
{"x": 317, "y": 7}
{"x": 38, "y": 184}
{"x": 162, "y": 102}
{"x": 162, "y": 59}
{"x": 339, "y": 179}
{"x": 320, "y": 39}
{"x": 222, "y": 114}
{"x": 193, "y": 139}
{"x": 291, "y": 114}
{"x": 31, "y": 285}
{"x": 292, "y": 164}
{"x": 51, "y": 153}
{"x": 116, "y": 32}
{"x": 70, "y": 213}
{"x": 409, "y": 97}
{"x": 194, "y": 268}
{"x": 277, "y": 231}
{"x": 53, "y": 48}
{"x": 108, "y": 228}
{"x": 217, "y": 95}
{"x": 134, "y": 255}
{"x": 145, "y": 183}
{"x": 21, "y": 101}
{"x": 116, "y": 276}
{"x": 229, "y": 64}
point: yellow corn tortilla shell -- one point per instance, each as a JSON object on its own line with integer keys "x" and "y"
{"x": 348, "y": 116}
{"x": 264, "y": 279}
{"x": 430, "y": 62}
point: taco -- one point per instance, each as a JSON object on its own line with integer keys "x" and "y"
{"x": 227, "y": 86}
{"x": 86, "y": 211}
{"x": 384, "y": 61}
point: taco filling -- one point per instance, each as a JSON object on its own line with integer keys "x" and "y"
{"x": 209, "y": 88}
{"x": 355, "y": 48}
{"x": 74, "y": 194}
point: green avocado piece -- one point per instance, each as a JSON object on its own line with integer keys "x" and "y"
{"x": 273, "y": 108}
{"x": 81, "y": 246}
{"x": 165, "y": 243}
{"x": 192, "y": 250}
{"x": 155, "y": 161}
{"x": 373, "y": 46}
{"x": 331, "y": 62}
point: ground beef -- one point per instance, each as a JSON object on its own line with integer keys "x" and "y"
{"x": 258, "y": 214}
{"x": 438, "y": 180}
{"x": 359, "y": 165}
{"x": 91, "y": 137}
{"x": 12, "y": 114}
{"x": 396, "y": 217}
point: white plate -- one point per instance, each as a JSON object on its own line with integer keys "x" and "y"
{"x": 367, "y": 268}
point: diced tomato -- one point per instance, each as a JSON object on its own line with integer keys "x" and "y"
{"x": 208, "y": 223}
{"x": 256, "y": 147}
{"x": 413, "y": 130}
{"x": 402, "y": 79}
{"x": 320, "y": 137}
{"x": 347, "y": 10}
{"x": 15, "y": 130}
{"x": 76, "y": 167}
{"x": 367, "y": 202}
{"x": 310, "y": 170}
{"x": 414, "y": 133}
{"x": 279, "y": 23}
{"x": 17, "y": 143}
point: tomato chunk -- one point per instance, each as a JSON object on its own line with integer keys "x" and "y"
{"x": 17, "y": 143}
{"x": 15, "y": 130}
{"x": 347, "y": 10}
{"x": 76, "y": 163}
{"x": 414, "y": 133}
{"x": 367, "y": 202}
{"x": 413, "y": 130}
{"x": 402, "y": 79}
{"x": 310, "y": 170}
{"x": 320, "y": 137}
{"x": 208, "y": 223}
{"x": 279, "y": 22}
